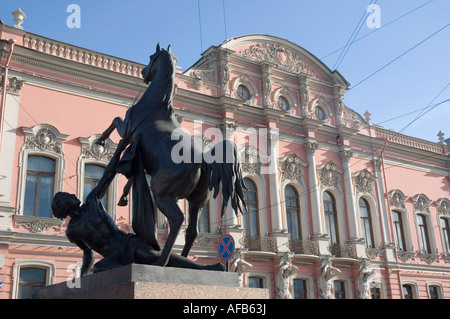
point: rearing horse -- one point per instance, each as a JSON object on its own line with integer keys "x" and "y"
{"x": 147, "y": 134}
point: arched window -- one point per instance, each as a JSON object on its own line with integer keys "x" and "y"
{"x": 243, "y": 92}
{"x": 408, "y": 291}
{"x": 423, "y": 234}
{"x": 92, "y": 175}
{"x": 250, "y": 219}
{"x": 283, "y": 103}
{"x": 329, "y": 205}
{"x": 434, "y": 292}
{"x": 445, "y": 228}
{"x": 398, "y": 230}
{"x": 366, "y": 222}
{"x": 39, "y": 186}
{"x": 292, "y": 213}
{"x": 320, "y": 113}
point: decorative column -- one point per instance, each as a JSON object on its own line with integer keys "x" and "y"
{"x": 283, "y": 277}
{"x": 319, "y": 234}
{"x": 229, "y": 218}
{"x": 338, "y": 99}
{"x": 266, "y": 84}
{"x": 279, "y": 233}
{"x": 365, "y": 275}
{"x": 304, "y": 96}
{"x": 350, "y": 200}
{"x": 225, "y": 72}
{"x": 229, "y": 222}
{"x": 381, "y": 196}
{"x": 7, "y": 150}
{"x": 328, "y": 272}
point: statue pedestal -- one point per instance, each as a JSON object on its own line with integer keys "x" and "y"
{"x": 150, "y": 282}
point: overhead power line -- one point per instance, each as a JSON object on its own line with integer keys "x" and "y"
{"x": 352, "y": 37}
{"x": 400, "y": 56}
{"x": 378, "y": 29}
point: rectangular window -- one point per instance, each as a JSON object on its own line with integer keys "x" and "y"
{"x": 445, "y": 234}
{"x": 407, "y": 292}
{"x": 255, "y": 282}
{"x": 433, "y": 292}
{"x": 423, "y": 234}
{"x": 39, "y": 186}
{"x": 339, "y": 289}
{"x": 30, "y": 280}
{"x": 300, "y": 290}
{"x": 92, "y": 175}
{"x": 398, "y": 231}
{"x": 375, "y": 291}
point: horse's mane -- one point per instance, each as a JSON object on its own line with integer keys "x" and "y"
{"x": 170, "y": 80}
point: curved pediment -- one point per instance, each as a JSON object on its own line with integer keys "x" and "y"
{"x": 284, "y": 55}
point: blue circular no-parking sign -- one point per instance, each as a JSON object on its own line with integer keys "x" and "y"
{"x": 226, "y": 247}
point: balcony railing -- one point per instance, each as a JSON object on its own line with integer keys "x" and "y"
{"x": 343, "y": 250}
{"x": 260, "y": 243}
{"x": 401, "y": 139}
{"x": 308, "y": 247}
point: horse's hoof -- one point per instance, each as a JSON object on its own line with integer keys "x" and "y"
{"x": 160, "y": 262}
{"x": 215, "y": 267}
{"x": 123, "y": 201}
{"x": 100, "y": 142}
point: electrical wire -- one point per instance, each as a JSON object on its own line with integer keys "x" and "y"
{"x": 350, "y": 41}
{"x": 400, "y": 56}
{"x": 378, "y": 29}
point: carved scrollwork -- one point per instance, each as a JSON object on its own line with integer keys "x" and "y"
{"x": 421, "y": 203}
{"x": 44, "y": 138}
{"x": 36, "y": 224}
{"x": 291, "y": 167}
{"x": 13, "y": 86}
{"x": 364, "y": 181}
{"x": 200, "y": 76}
{"x": 251, "y": 162}
{"x": 280, "y": 56}
{"x": 91, "y": 150}
{"x": 443, "y": 206}
{"x": 397, "y": 199}
{"x": 329, "y": 174}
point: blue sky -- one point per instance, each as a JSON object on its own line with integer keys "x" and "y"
{"x": 400, "y": 68}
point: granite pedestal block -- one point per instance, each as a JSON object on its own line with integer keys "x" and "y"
{"x": 151, "y": 282}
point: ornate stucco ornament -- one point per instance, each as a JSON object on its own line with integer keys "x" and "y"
{"x": 329, "y": 174}
{"x": 421, "y": 203}
{"x": 283, "y": 58}
{"x": 443, "y": 206}
{"x": 397, "y": 199}
{"x": 364, "y": 181}
{"x": 291, "y": 167}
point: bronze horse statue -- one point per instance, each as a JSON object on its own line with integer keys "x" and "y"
{"x": 147, "y": 144}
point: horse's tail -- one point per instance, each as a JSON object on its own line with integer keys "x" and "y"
{"x": 222, "y": 165}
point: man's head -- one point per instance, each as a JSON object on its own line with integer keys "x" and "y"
{"x": 63, "y": 204}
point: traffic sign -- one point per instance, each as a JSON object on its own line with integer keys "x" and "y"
{"x": 226, "y": 247}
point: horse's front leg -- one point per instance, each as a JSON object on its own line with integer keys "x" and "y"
{"x": 169, "y": 207}
{"x": 126, "y": 190}
{"x": 192, "y": 230}
{"x": 117, "y": 123}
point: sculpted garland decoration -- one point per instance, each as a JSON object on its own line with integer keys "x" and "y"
{"x": 283, "y": 58}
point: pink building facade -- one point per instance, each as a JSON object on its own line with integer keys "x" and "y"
{"x": 338, "y": 207}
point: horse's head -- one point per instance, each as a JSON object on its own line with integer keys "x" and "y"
{"x": 151, "y": 69}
